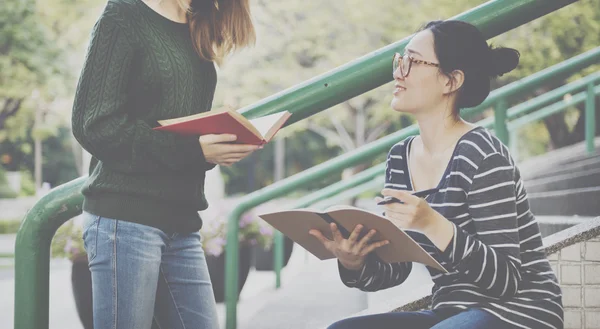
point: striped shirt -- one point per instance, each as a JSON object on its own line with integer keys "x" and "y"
{"x": 495, "y": 260}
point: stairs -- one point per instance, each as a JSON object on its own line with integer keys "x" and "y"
{"x": 565, "y": 182}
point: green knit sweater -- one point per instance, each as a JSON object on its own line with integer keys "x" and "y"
{"x": 142, "y": 67}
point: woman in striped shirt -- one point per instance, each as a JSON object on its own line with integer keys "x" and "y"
{"x": 478, "y": 224}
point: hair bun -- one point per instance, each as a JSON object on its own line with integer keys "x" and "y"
{"x": 503, "y": 60}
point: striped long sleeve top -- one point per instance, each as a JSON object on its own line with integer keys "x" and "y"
{"x": 495, "y": 260}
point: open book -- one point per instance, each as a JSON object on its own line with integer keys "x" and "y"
{"x": 295, "y": 224}
{"x": 228, "y": 121}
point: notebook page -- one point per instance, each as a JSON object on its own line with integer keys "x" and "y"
{"x": 263, "y": 124}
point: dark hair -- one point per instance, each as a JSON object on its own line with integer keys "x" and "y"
{"x": 461, "y": 46}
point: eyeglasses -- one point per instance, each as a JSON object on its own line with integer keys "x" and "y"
{"x": 405, "y": 63}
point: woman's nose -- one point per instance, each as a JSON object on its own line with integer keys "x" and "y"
{"x": 398, "y": 75}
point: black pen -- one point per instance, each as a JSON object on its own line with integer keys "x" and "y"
{"x": 420, "y": 194}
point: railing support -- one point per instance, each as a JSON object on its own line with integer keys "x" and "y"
{"x": 278, "y": 253}
{"x": 590, "y": 118}
{"x": 32, "y": 253}
{"x": 500, "y": 121}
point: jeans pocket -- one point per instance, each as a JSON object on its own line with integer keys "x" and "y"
{"x": 90, "y": 235}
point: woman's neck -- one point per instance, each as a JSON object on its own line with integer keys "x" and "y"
{"x": 439, "y": 132}
{"x": 170, "y": 9}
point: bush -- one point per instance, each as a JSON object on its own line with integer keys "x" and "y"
{"x": 5, "y": 191}
{"x": 9, "y": 226}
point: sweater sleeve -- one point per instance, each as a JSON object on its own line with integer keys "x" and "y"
{"x": 491, "y": 258}
{"x": 102, "y": 120}
{"x": 375, "y": 274}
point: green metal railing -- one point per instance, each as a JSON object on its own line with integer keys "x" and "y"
{"x": 588, "y": 96}
{"x": 32, "y": 254}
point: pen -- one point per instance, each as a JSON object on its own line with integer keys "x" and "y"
{"x": 420, "y": 194}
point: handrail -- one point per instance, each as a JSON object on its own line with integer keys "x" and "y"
{"x": 588, "y": 96}
{"x": 32, "y": 252}
{"x": 373, "y": 70}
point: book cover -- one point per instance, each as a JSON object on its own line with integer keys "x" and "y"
{"x": 255, "y": 131}
{"x": 296, "y": 224}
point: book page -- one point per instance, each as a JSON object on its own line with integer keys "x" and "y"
{"x": 401, "y": 247}
{"x": 263, "y": 124}
{"x": 166, "y": 122}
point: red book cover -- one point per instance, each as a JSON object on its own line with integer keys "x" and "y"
{"x": 227, "y": 122}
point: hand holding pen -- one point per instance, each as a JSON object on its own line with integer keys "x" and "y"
{"x": 409, "y": 210}
{"x": 420, "y": 194}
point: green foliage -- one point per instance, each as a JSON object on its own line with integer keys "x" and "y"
{"x": 5, "y": 190}
{"x": 68, "y": 241}
{"x": 27, "y": 183}
{"x": 9, "y": 226}
{"x": 43, "y": 42}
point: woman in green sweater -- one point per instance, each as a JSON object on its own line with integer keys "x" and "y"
{"x": 150, "y": 60}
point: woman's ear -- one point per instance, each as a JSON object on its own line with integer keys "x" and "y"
{"x": 454, "y": 82}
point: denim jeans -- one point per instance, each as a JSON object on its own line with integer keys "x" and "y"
{"x": 438, "y": 319}
{"x": 143, "y": 278}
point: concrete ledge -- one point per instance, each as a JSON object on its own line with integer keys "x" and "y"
{"x": 574, "y": 234}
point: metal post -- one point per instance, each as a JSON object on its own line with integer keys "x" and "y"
{"x": 513, "y": 144}
{"x": 500, "y": 121}
{"x": 590, "y": 118}
{"x": 32, "y": 253}
{"x": 278, "y": 243}
{"x": 278, "y": 254}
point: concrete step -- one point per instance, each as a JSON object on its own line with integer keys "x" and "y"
{"x": 573, "y": 202}
{"x": 587, "y": 163}
{"x": 553, "y": 224}
{"x": 553, "y": 160}
{"x": 565, "y": 181}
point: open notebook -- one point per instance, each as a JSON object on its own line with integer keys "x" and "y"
{"x": 296, "y": 223}
{"x": 256, "y": 131}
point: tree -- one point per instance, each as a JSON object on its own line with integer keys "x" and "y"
{"x": 42, "y": 45}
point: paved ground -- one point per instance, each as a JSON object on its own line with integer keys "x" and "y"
{"x": 257, "y": 290}
{"x": 312, "y": 296}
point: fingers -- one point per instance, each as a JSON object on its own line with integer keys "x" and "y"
{"x": 337, "y": 235}
{"x": 235, "y": 157}
{"x": 365, "y": 240}
{"x": 240, "y": 148}
{"x": 374, "y": 246}
{"x": 317, "y": 234}
{"x": 221, "y": 138}
{"x": 355, "y": 233}
{"x": 404, "y": 196}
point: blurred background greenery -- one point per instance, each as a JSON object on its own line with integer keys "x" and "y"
{"x": 43, "y": 43}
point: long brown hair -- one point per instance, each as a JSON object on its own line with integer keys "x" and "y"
{"x": 219, "y": 27}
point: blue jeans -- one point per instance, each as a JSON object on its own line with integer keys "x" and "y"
{"x": 132, "y": 264}
{"x": 438, "y": 319}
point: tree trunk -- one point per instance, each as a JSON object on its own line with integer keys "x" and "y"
{"x": 10, "y": 108}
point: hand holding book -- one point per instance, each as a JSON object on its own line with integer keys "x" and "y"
{"x": 220, "y": 150}
{"x": 257, "y": 131}
{"x": 351, "y": 252}
{"x": 327, "y": 234}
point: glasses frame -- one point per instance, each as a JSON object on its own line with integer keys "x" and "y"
{"x": 396, "y": 63}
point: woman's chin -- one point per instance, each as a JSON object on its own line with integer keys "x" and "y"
{"x": 398, "y": 106}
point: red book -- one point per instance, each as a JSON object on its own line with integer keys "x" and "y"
{"x": 256, "y": 131}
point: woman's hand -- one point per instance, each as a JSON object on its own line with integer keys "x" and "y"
{"x": 414, "y": 213}
{"x": 219, "y": 150}
{"x": 350, "y": 252}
